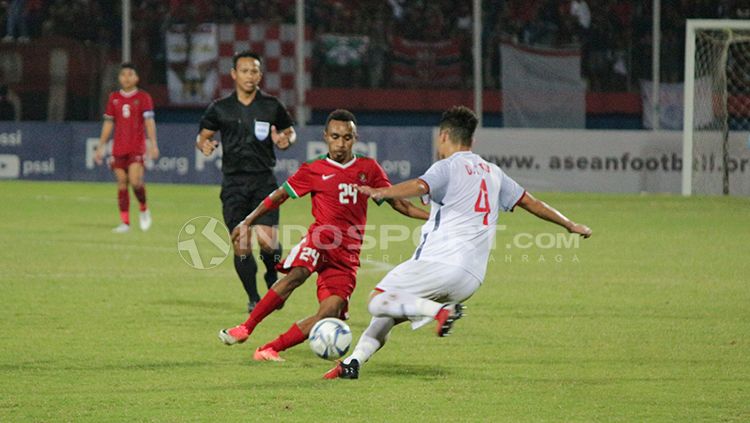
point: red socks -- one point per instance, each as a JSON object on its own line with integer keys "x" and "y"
{"x": 287, "y": 339}
{"x": 140, "y": 194}
{"x": 123, "y": 202}
{"x": 265, "y": 306}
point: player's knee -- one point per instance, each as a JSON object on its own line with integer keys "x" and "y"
{"x": 293, "y": 280}
{"x": 329, "y": 312}
{"x": 376, "y": 305}
{"x": 135, "y": 182}
{"x": 267, "y": 238}
{"x": 241, "y": 245}
{"x": 241, "y": 252}
{"x": 265, "y": 244}
{"x": 331, "y": 309}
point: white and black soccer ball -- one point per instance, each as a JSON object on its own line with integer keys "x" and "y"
{"x": 330, "y": 338}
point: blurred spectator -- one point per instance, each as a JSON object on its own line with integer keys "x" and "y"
{"x": 598, "y": 52}
{"x": 16, "y": 20}
{"x": 614, "y": 35}
{"x": 580, "y": 10}
{"x": 741, "y": 10}
{"x": 10, "y": 105}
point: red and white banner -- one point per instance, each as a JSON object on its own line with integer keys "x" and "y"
{"x": 542, "y": 87}
{"x": 275, "y": 44}
{"x": 426, "y": 64}
{"x": 192, "y": 77}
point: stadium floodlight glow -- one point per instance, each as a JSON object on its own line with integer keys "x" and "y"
{"x": 716, "y": 108}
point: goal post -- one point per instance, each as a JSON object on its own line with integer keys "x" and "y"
{"x": 716, "y": 110}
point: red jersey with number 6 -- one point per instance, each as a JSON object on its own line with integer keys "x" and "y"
{"x": 129, "y": 112}
{"x": 340, "y": 211}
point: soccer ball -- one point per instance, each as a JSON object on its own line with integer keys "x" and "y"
{"x": 330, "y": 338}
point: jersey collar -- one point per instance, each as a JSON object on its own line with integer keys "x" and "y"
{"x": 339, "y": 165}
{"x": 130, "y": 94}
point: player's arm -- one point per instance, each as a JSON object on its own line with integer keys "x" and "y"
{"x": 544, "y": 211}
{"x": 406, "y": 189}
{"x": 205, "y": 142}
{"x": 272, "y": 202}
{"x": 406, "y": 208}
{"x": 283, "y": 139}
{"x": 107, "y": 127}
{"x": 153, "y": 147}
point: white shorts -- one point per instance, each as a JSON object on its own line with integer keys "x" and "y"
{"x": 434, "y": 281}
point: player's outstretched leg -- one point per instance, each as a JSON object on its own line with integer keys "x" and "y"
{"x": 123, "y": 201}
{"x": 274, "y": 298}
{"x": 329, "y": 307}
{"x": 372, "y": 339}
{"x": 403, "y": 305}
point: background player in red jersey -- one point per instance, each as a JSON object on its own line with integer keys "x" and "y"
{"x": 332, "y": 244}
{"x": 131, "y": 112}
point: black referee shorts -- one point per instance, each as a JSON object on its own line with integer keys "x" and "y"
{"x": 241, "y": 194}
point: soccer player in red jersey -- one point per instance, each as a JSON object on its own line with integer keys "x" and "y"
{"x": 332, "y": 244}
{"x": 131, "y": 112}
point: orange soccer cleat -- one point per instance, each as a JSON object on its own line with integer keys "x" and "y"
{"x": 267, "y": 354}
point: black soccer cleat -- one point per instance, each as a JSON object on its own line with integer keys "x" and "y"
{"x": 344, "y": 371}
{"x": 350, "y": 371}
{"x": 445, "y": 318}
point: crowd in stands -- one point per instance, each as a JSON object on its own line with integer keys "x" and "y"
{"x": 614, "y": 35}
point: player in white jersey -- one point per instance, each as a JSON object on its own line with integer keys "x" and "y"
{"x": 466, "y": 194}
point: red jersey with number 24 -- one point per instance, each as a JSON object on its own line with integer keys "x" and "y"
{"x": 340, "y": 211}
{"x": 129, "y": 112}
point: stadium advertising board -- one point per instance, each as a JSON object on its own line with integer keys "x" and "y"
{"x": 34, "y": 151}
{"x": 66, "y": 152}
{"x": 604, "y": 161}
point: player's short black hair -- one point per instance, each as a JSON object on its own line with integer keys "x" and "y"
{"x": 460, "y": 122}
{"x": 245, "y": 54}
{"x": 128, "y": 65}
{"x": 342, "y": 115}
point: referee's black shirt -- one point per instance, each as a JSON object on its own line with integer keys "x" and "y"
{"x": 246, "y": 131}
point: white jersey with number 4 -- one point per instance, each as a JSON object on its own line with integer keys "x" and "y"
{"x": 466, "y": 194}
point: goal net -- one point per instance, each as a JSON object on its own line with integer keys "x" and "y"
{"x": 717, "y": 108}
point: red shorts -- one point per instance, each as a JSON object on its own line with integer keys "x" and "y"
{"x": 124, "y": 162}
{"x": 336, "y": 267}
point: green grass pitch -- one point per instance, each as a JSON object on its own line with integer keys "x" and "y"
{"x": 646, "y": 321}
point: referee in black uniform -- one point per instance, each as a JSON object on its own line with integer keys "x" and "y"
{"x": 251, "y": 123}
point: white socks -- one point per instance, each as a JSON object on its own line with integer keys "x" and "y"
{"x": 372, "y": 339}
{"x": 386, "y": 308}
{"x": 401, "y": 305}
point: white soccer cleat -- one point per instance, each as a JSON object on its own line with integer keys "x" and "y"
{"x": 235, "y": 335}
{"x": 121, "y": 229}
{"x": 145, "y": 220}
